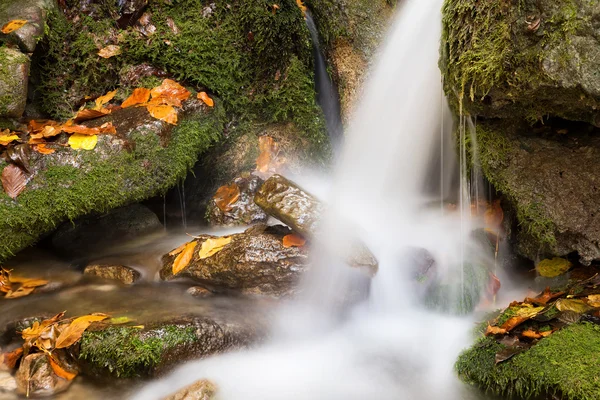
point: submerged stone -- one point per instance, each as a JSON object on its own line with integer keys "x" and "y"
{"x": 14, "y": 75}
{"x": 36, "y": 378}
{"x": 242, "y": 211}
{"x": 121, "y": 273}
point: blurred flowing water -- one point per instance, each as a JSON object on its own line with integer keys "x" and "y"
{"x": 397, "y": 166}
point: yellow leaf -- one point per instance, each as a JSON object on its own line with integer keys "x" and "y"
{"x": 110, "y": 51}
{"x": 164, "y": 113}
{"x": 213, "y": 246}
{"x": 7, "y": 137}
{"x": 594, "y": 300}
{"x": 577, "y": 306}
{"x": 59, "y": 371}
{"x": 72, "y": 333}
{"x": 139, "y": 96}
{"x": 206, "y": 99}
{"x": 20, "y": 292}
{"x": 184, "y": 258}
{"x": 301, "y": 6}
{"x": 13, "y": 25}
{"x": 554, "y": 267}
{"x": 102, "y": 100}
{"x": 178, "y": 250}
{"x": 85, "y": 142}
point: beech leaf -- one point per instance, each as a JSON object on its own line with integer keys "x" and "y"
{"x": 293, "y": 240}
{"x": 184, "y": 258}
{"x": 72, "y": 333}
{"x": 13, "y": 25}
{"x": 164, "y": 113}
{"x": 11, "y": 359}
{"x": 59, "y": 371}
{"x": 554, "y": 267}
{"x": 85, "y": 142}
{"x": 172, "y": 93}
{"x": 139, "y": 96}
{"x": 14, "y": 180}
{"x": 211, "y": 246}
{"x": 102, "y": 100}
{"x": 206, "y": 99}
{"x": 109, "y": 51}
{"x": 575, "y": 305}
{"x": 226, "y": 196}
{"x": 88, "y": 114}
{"x": 42, "y": 149}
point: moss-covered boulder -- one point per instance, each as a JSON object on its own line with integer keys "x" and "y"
{"x": 14, "y": 75}
{"x": 563, "y": 365}
{"x": 549, "y": 177}
{"x": 145, "y": 158}
{"x": 523, "y": 59}
{"x": 35, "y": 12}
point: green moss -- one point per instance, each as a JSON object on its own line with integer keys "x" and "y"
{"x": 104, "y": 181}
{"x": 130, "y": 352}
{"x": 564, "y": 364}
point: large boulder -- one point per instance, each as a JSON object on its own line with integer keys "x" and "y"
{"x": 522, "y": 59}
{"x": 36, "y": 14}
{"x": 14, "y": 75}
{"x": 145, "y": 158}
{"x": 550, "y": 180}
{"x": 255, "y": 261}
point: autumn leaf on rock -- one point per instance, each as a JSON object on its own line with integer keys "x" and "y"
{"x": 274, "y": 8}
{"x": 301, "y": 6}
{"x": 102, "y": 100}
{"x": 211, "y": 246}
{"x": 226, "y": 196}
{"x": 110, "y": 51}
{"x": 184, "y": 258}
{"x": 60, "y": 371}
{"x": 293, "y": 240}
{"x": 89, "y": 114}
{"x": 494, "y": 330}
{"x": 14, "y": 180}
{"x": 7, "y": 137}
{"x": 594, "y": 300}
{"x": 554, "y": 267}
{"x": 170, "y": 93}
{"x": 164, "y": 113}
{"x": 85, "y": 142}
{"x": 521, "y": 314}
{"x": 11, "y": 359}
{"x": 206, "y": 99}
{"x": 107, "y": 128}
{"x": 42, "y": 149}
{"x": 72, "y": 333}
{"x": 178, "y": 250}
{"x": 575, "y": 305}
{"x": 139, "y": 96}
{"x": 13, "y": 25}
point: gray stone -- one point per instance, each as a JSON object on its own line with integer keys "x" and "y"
{"x": 35, "y": 12}
{"x": 244, "y": 211}
{"x": 121, "y": 273}
{"x": 14, "y": 75}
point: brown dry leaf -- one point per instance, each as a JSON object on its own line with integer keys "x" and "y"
{"x": 493, "y": 217}
{"x": 139, "y": 96}
{"x": 211, "y": 247}
{"x": 42, "y": 149}
{"x": 522, "y": 314}
{"x": 110, "y": 51}
{"x": 11, "y": 359}
{"x": 184, "y": 258}
{"x": 32, "y": 333}
{"x": 28, "y": 282}
{"x": 531, "y": 334}
{"x": 178, "y": 250}
{"x": 20, "y": 292}
{"x": 170, "y": 93}
{"x": 5, "y": 285}
{"x": 206, "y": 99}
{"x": 13, "y": 25}
{"x": 59, "y": 371}
{"x": 575, "y": 305}
{"x": 172, "y": 26}
{"x": 544, "y": 297}
{"x": 494, "y": 330}
{"x": 226, "y": 196}
{"x": 72, "y": 333}
{"x": 102, "y": 100}
{"x": 274, "y": 8}
{"x": 88, "y": 114}
{"x": 164, "y": 113}
{"x": 14, "y": 180}
{"x": 293, "y": 240}
{"x": 267, "y": 160}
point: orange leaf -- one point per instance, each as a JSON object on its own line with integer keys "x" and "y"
{"x": 493, "y": 217}
{"x": 102, "y": 100}
{"x": 139, "y": 96}
{"x": 171, "y": 92}
{"x": 13, "y": 25}
{"x": 59, "y": 371}
{"x": 42, "y": 149}
{"x": 20, "y": 292}
{"x": 293, "y": 240}
{"x": 164, "y": 113}
{"x": 206, "y": 99}
{"x": 268, "y": 152}
{"x": 72, "y": 333}
{"x": 226, "y": 196}
{"x": 14, "y": 180}
{"x": 88, "y": 114}
{"x": 10, "y": 359}
{"x": 110, "y": 51}
{"x": 107, "y": 128}
{"x": 184, "y": 258}
{"x": 531, "y": 334}
{"x": 178, "y": 250}
{"x": 301, "y": 6}
{"x": 494, "y": 330}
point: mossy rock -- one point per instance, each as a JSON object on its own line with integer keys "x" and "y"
{"x": 14, "y": 73}
{"x": 564, "y": 365}
{"x": 144, "y": 159}
{"x": 35, "y": 12}
{"x": 550, "y": 180}
{"x": 523, "y": 59}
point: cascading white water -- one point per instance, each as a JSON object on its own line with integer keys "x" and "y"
{"x": 389, "y": 347}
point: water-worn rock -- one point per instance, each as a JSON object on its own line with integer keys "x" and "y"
{"x": 551, "y": 180}
{"x": 121, "y": 273}
{"x": 255, "y": 261}
{"x": 92, "y": 233}
{"x": 146, "y": 157}
{"x": 7, "y": 382}
{"x": 523, "y": 60}
{"x": 302, "y": 212}
{"x": 35, "y": 377}
{"x": 244, "y": 210}
{"x": 14, "y": 75}
{"x": 200, "y": 390}
{"x": 35, "y": 12}
{"x": 199, "y": 291}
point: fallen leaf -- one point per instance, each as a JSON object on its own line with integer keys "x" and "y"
{"x": 72, "y": 333}
{"x": 110, "y": 51}
{"x": 184, "y": 258}
{"x": 493, "y": 285}
{"x": 301, "y": 6}
{"x": 178, "y": 250}
{"x": 172, "y": 26}
{"x": 5, "y": 285}
{"x": 494, "y": 330}
{"x": 211, "y": 246}
{"x": 554, "y": 267}
{"x": 493, "y": 217}
{"x": 14, "y": 180}
{"x": 102, "y": 100}
{"x": 13, "y": 25}
{"x": 42, "y": 149}
{"x": 59, "y": 371}
{"x": 531, "y": 334}
{"x": 119, "y": 320}
{"x": 139, "y": 96}
{"x": 274, "y": 8}
{"x": 521, "y": 314}
{"x": 594, "y": 300}
{"x": 20, "y": 292}
{"x": 577, "y": 306}
{"x": 89, "y": 114}
{"x": 169, "y": 93}
{"x": 293, "y": 240}
{"x": 226, "y": 196}
{"x": 7, "y": 137}
{"x": 206, "y": 99}
{"x": 508, "y": 353}
{"x": 268, "y": 161}
{"x": 543, "y": 298}
{"x": 11, "y": 359}
{"x": 164, "y": 113}
{"x": 106, "y": 128}
{"x": 85, "y": 142}
{"x": 19, "y": 155}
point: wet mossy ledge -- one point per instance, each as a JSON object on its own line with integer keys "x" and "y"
{"x": 564, "y": 364}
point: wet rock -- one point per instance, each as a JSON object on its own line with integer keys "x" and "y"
{"x": 35, "y": 12}
{"x": 35, "y": 377}
{"x": 244, "y": 210}
{"x": 301, "y": 211}
{"x": 199, "y": 291}
{"x": 551, "y": 181}
{"x": 255, "y": 261}
{"x": 94, "y": 233}
{"x": 7, "y": 382}
{"x": 14, "y": 74}
{"x": 121, "y": 273}
{"x": 200, "y": 390}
